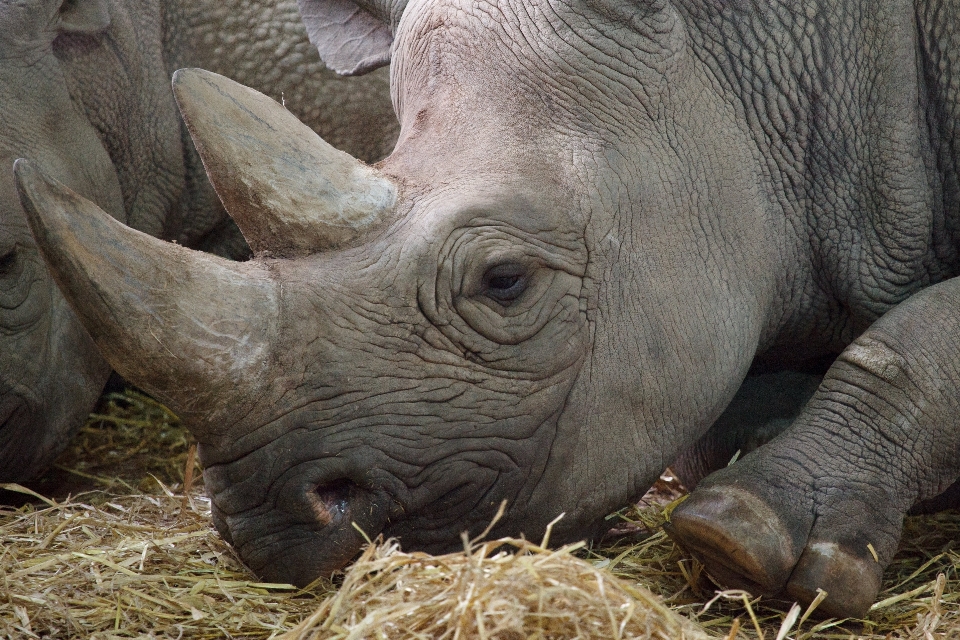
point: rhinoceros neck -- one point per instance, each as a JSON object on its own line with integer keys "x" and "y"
{"x": 829, "y": 94}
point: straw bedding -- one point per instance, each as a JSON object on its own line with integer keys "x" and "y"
{"x": 525, "y": 592}
{"x": 112, "y": 544}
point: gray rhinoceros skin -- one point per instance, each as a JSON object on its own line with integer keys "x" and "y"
{"x": 603, "y": 216}
{"x": 85, "y": 91}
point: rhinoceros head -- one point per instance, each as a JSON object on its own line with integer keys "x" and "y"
{"x": 532, "y": 300}
{"x": 75, "y": 96}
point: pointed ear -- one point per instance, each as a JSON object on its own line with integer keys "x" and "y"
{"x": 353, "y": 36}
{"x": 86, "y": 17}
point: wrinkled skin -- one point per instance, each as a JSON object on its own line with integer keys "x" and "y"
{"x": 263, "y": 44}
{"x": 50, "y": 373}
{"x": 602, "y": 224}
{"x": 84, "y": 90}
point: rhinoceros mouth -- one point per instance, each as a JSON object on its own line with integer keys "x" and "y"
{"x": 18, "y": 408}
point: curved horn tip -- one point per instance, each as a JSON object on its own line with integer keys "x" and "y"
{"x": 188, "y": 75}
{"x": 26, "y": 174}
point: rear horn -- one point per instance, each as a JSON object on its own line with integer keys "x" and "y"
{"x": 289, "y": 191}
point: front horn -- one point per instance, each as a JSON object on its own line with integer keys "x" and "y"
{"x": 290, "y": 192}
{"x": 192, "y": 329}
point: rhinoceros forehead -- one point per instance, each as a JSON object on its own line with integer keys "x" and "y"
{"x": 560, "y": 60}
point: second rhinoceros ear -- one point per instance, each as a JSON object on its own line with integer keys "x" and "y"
{"x": 289, "y": 191}
{"x": 352, "y": 36}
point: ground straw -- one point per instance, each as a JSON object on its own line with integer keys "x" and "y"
{"x": 507, "y": 589}
{"x": 109, "y": 545}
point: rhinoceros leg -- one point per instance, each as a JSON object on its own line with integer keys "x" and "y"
{"x": 764, "y": 406}
{"x": 822, "y": 505}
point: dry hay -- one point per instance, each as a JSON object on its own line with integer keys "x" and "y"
{"x": 135, "y": 566}
{"x": 149, "y": 564}
{"x": 128, "y": 442}
{"x": 487, "y": 591}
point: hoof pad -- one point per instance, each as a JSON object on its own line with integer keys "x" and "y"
{"x": 740, "y": 540}
{"x": 851, "y": 581}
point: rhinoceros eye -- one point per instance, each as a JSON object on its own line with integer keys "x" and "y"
{"x": 8, "y": 261}
{"x": 505, "y": 283}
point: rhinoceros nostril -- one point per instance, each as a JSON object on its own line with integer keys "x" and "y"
{"x": 334, "y": 500}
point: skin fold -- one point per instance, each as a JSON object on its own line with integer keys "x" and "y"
{"x": 85, "y": 91}
{"x": 598, "y": 220}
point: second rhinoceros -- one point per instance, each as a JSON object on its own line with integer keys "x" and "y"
{"x": 84, "y": 90}
{"x": 599, "y": 218}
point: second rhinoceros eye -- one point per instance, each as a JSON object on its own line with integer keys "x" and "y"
{"x": 8, "y": 262}
{"x": 505, "y": 283}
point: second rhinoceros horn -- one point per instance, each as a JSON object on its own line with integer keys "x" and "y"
{"x": 289, "y": 191}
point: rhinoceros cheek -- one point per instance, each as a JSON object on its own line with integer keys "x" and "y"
{"x": 42, "y": 409}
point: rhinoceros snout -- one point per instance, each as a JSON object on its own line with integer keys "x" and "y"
{"x": 307, "y": 529}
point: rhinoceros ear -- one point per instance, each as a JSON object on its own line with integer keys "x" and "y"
{"x": 290, "y": 192}
{"x": 352, "y": 36}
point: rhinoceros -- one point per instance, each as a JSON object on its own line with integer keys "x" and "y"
{"x": 84, "y": 89}
{"x": 599, "y": 218}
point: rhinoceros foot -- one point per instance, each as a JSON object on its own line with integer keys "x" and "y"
{"x": 740, "y": 540}
{"x": 851, "y": 579}
{"x": 746, "y": 542}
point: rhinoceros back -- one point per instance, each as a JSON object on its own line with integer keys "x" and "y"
{"x": 863, "y": 173}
